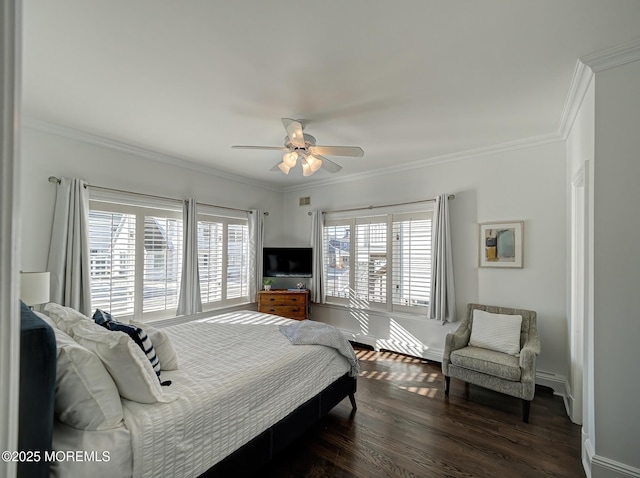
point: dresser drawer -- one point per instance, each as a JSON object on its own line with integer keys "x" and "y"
{"x": 283, "y": 299}
{"x": 290, "y": 311}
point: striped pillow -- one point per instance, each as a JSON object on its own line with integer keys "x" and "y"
{"x": 499, "y": 332}
{"x": 138, "y": 335}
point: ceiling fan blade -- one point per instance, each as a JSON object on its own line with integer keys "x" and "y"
{"x": 274, "y": 148}
{"x": 275, "y": 167}
{"x": 294, "y": 130}
{"x": 353, "y": 151}
{"x": 328, "y": 164}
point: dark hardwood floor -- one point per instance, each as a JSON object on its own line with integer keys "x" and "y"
{"x": 404, "y": 427}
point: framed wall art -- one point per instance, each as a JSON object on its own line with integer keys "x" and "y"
{"x": 501, "y": 244}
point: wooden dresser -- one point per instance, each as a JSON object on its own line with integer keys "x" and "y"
{"x": 293, "y": 304}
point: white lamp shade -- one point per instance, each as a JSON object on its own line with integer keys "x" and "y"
{"x": 34, "y": 287}
{"x": 284, "y": 168}
{"x": 290, "y": 159}
{"x": 314, "y": 163}
{"x": 306, "y": 169}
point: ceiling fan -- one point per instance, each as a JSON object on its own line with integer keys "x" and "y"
{"x": 300, "y": 145}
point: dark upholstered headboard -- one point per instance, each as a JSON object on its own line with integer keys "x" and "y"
{"x": 37, "y": 390}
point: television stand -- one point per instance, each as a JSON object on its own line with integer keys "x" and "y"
{"x": 293, "y": 304}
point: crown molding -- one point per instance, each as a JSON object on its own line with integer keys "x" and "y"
{"x": 445, "y": 158}
{"x": 96, "y": 140}
{"x": 580, "y": 82}
{"x": 613, "y": 57}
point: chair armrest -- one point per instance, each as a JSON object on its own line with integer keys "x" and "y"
{"x": 528, "y": 357}
{"x": 454, "y": 341}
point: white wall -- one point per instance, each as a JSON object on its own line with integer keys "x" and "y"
{"x": 617, "y": 269}
{"x": 527, "y": 184}
{"x": 45, "y": 154}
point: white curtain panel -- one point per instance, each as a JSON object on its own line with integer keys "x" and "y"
{"x": 190, "y": 301}
{"x": 69, "y": 260}
{"x": 317, "y": 281}
{"x": 443, "y": 295}
{"x": 256, "y": 243}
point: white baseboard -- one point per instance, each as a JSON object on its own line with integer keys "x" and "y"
{"x": 600, "y": 466}
{"x": 587, "y": 453}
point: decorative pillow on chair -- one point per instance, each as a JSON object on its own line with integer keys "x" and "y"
{"x": 499, "y": 332}
{"x": 125, "y": 361}
{"x": 86, "y": 396}
{"x": 137, "y": 334}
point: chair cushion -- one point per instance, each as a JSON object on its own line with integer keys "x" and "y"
{"x": 488, "y": 361}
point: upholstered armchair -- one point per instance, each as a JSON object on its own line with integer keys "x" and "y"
{"x": 491, "y": 355}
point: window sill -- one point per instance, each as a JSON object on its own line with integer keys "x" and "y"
{"x": 209, "y": 312}
{"x": 401, "y": 314}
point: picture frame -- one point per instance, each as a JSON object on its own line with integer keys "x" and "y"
{"x": 501, "y": 244}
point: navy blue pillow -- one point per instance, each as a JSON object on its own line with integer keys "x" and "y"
{"x": 138, "y": 335}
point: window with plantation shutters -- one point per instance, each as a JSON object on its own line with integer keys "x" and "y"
{"x": 237, "y": 261}
{"x": 337, "y": 243}
{"x": 223, "y": 260}
{"x": 370, "y": 281}
{"x": 210, "y": 242}
{"x": 379, "y": 261}
{"x": 136, "y": 259}
{"x": 162, "y": 263}
{"x": 112, "y": 252}
{"x": 137, "y": 246}
{"x": 411, "y": 249}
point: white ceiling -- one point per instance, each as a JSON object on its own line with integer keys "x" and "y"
{"x": 407, "y": 80}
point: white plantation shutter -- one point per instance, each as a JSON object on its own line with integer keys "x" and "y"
{"x": 237, "y": 261}
{"x": 112, "y": 240}
{"x": 370, "y": 281}
{"x": 411, "y": 248}
{"x": 337, "y": 245}
{"x": 223, "y": 259}
{"x": 162, "y": 262}
{"x": 210, "y": 249}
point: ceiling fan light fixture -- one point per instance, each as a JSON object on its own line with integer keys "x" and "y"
{"x": 306, "y": 169}
{"x": 284, "y": 168}
{"x": 290, "y": 159}
{"x": 314, "y": 163}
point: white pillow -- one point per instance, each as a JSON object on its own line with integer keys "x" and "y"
{"x": 46, "y": 319}
{"x": 162, "y": 345}
{"x": 86, "y": 396}
{"x": 499, "y": 332}
{"x": 125, "y": 361}
{"x": 65, "y": 317}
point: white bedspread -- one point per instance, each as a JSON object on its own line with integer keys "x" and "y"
{"x": 235, "y": 380}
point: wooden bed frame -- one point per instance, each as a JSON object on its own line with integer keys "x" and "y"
{"x": 244, "y": 461}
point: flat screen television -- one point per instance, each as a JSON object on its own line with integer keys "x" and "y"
{"x": 287, "y": 262}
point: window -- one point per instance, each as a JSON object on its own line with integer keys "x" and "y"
{"x": 136, "y": 250}
{"x": 380, "y": 262}
{"x": 223, "y": 260}
{"x": 121, "y": 237}
{"x": 112, "y": 261}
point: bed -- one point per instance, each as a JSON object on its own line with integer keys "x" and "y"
{"x": 242, "y": 393}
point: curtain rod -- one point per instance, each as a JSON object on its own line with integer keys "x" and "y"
{"x": 451, "y": 196}
{"x": 53, "y": 179}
